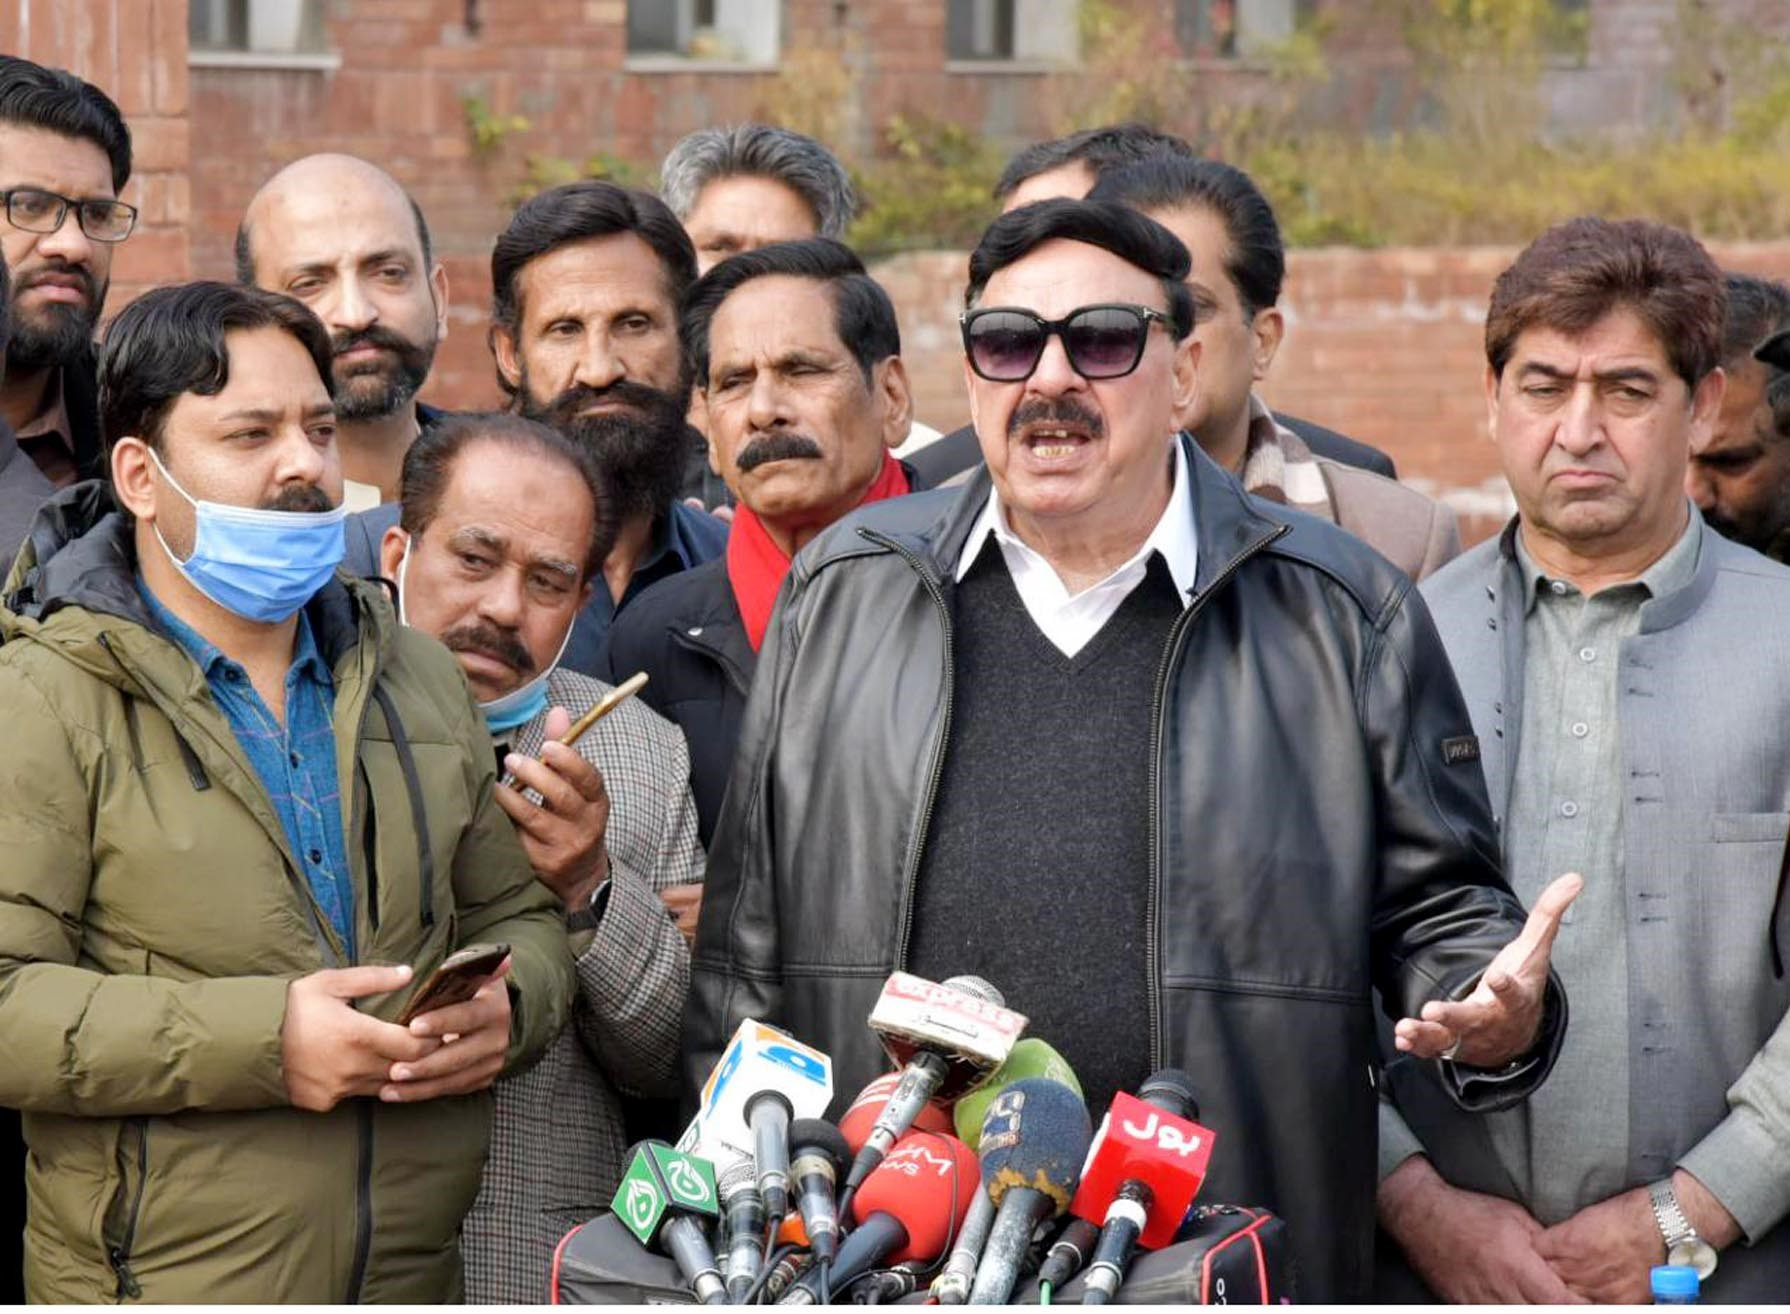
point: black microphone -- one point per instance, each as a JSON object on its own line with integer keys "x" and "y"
{"x": 818, "y": 1154}
{"x": 768, "y": 1113}
{"x": 1068, "y": 1252}
{"x": 744, "y": 1209}
{"x": 1034, "y": 1140}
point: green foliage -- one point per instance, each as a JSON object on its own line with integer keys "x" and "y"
{"x": 539, "y": 172}
{"x": 931, "y": 188}
{"x": 487, "y": 128}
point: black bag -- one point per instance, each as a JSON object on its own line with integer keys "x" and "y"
{"x": 1228, "y": 1255}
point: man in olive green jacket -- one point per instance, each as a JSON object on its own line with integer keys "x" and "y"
{"x": 199, "y": 965}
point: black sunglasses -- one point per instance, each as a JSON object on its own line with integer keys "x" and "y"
{"x": 1004, "y": 344}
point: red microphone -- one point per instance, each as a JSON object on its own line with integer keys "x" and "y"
{"x": 907, "y": 1210}
{"x": 1148, "y": 1163}
{"x": 868, "y": 1107}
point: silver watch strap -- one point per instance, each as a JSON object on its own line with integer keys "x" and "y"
{"x": 1673, "y": 1225}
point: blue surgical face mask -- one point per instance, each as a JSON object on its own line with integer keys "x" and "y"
{"x": 260, "y": 565}
{"x": 521, "y": 704}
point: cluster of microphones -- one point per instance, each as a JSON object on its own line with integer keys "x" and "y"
{"x": 968, "y": 1171}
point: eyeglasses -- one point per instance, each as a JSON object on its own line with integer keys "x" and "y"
{"x": 1102, "y": 342}
{"x": 37, "y": 211}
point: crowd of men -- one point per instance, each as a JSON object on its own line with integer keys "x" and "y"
{"x": 1179, "y": 718}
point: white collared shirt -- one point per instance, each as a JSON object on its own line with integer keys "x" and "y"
{"x": 1067, "y": 620}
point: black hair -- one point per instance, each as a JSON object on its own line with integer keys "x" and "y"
{"x": 171, "y": 341}
{"x": 1101, "y": 149}
{"x": 1758, "y": 308}
{"x": 863, "y": 315}
{"x": 1257, "y": 262}
{"x": 245, "y": 254}
{"x": 429, "y": 465}
{"x": 55, "y": 100}
{"x": 1133, "y": 237}
{"x": 578, "y": 212}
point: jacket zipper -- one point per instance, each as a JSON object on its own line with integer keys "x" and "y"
{"x": 1159, "y": 736}
{"x": 363, "y": 1202}
{"x": 120, "y": 1254}
{"x": 937, "y": 769}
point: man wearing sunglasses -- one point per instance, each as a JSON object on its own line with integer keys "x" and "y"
{"x": 1183, "y": 773}
{"x": 65, "y": 154}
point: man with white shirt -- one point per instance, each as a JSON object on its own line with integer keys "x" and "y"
{"x": 1184, "y": 774}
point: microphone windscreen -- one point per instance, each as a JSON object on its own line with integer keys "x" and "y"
{"x": 927, "y": 1182}
{"x": 1171, "y": 1089}
{"x": 976, "y": 988}
{"x": 818, "y": 1136}
{"x": 861, "y": 1116}
{"x": 1031, "y": 1057}
{"x": 1036, "y": 1134}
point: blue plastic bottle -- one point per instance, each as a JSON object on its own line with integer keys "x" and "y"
{"x": 1675, "y": 1284}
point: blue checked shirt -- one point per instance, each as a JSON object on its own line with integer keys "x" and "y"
{"x": 296, "y": 762}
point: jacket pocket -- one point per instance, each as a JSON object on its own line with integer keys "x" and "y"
{"x": 1749, "y": 827}
{"x": 120, "y": 1235}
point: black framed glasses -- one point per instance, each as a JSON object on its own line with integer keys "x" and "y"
{"x": 36, "y": 211}
{"x": 1005, "y": 344}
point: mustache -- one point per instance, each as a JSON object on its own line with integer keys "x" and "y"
{"x": 299, "y": 497}
{"x": 57, "y": 267}
{"x": 487, "y": 640}
{"x": 1055, "y": 410}
{"x": 569, "y": 406}
{"x": 374, "y": 335}
{"x": 781, "y": 445}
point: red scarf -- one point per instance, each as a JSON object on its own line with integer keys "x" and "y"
{"x": 756, "y": 565}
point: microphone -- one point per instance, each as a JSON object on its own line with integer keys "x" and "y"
{"x": 819, "y": 1155}
{"x": 857, "y": 1121}
{"x": 1068, "y": 1253}
{"x": 952, "y": 1287}
{"x": 946, "y": 1039}
{"x": 907, "y": 1211}
{"x": 1147, "y": 1165}
{"x": 1031, "y": 1057}
{"x": 661, "y": 1199}
{"x": 763, "y": 1081}
{"x": 1034, "y": 1141}
{"x": 745, "y": 1227}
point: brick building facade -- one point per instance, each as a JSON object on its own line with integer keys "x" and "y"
{"x": 1384, "y": 344}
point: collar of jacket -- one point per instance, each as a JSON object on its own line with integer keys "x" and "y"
{"x": 1226, "y": 523}
{"x": 1662, "y": 613}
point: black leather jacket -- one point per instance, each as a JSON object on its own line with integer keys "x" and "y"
{"x": 1313, "y": 839}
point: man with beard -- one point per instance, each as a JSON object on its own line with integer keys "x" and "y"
{"x": 503, "y": 534}
{"x": 798, "y": 352}
{"x": 23, "y": 487}
{"x": 245, "y": 814}
{"x": 340, "y": 235}
{"x": 1739, "y": 473}
{"x": 65, "y": 154}
{"x": 585, "y": 288}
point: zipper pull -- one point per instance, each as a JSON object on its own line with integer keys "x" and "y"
{"x": 127, "y": 1280}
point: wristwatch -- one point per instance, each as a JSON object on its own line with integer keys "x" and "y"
{"x": 1683, "y": 1245}
{"x": 588, "y": 917}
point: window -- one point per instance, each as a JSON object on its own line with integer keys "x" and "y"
{"x": 1227, "y": 28}
{"x": 712, "y": 31}
{"x": 255, "y": 27}
{"x": 1010, "y": 31}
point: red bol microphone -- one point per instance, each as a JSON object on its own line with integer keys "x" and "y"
{"x": 1147, "y": 1165}
{"x": 946, "y": 1039}
{"x": 906, "y": 1212}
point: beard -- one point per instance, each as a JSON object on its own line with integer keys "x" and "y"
{"x": 377, "y": 388}
{"x": 56, "y": 334}
{"x": 640, "y": 450}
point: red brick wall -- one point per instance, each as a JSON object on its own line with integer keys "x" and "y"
{"x": 136, "y": 51}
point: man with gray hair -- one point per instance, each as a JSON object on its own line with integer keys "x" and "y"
{"x": 747, "y": 185}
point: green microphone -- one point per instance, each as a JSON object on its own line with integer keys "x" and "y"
{"x": 1031, "y": 1057}
{"x": 661, "y": 1200}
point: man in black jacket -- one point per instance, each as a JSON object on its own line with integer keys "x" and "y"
{"x": 1185, "y": 775}
{"x": 798, "y": 355}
